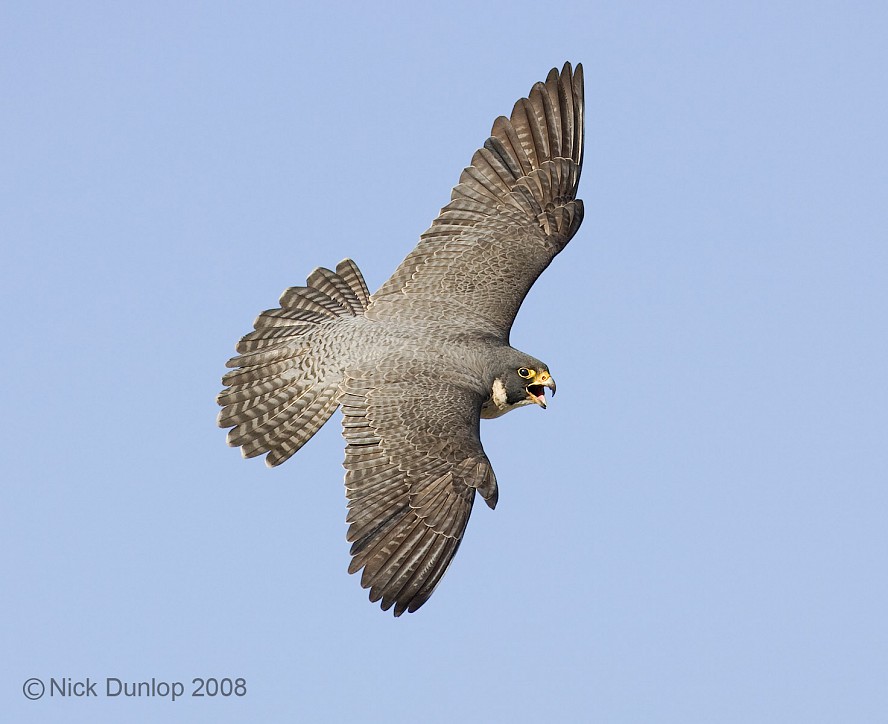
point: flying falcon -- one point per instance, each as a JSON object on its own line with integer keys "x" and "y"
{"x": 418, "y": 364}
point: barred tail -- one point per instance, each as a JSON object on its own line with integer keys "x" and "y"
{"x": 284, "y": 387}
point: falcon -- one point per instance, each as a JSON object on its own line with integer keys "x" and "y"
{"x": 416, "y": 365}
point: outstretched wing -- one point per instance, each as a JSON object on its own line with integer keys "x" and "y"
{"x": 414, "y": 461}
{"x": 512, "y": 211}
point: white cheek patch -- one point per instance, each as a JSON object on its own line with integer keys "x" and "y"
{"x": 498, "y": 394}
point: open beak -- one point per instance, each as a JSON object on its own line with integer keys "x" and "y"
{"x": 536, "y": 390}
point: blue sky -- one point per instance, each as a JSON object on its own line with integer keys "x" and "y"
{"x": 694, "y": 531}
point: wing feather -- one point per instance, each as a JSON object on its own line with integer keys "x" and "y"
{"x": 413, "y": 464}
{"x": 513, "y": 209}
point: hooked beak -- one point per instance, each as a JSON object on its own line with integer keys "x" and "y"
{"x": 536, "y": 390}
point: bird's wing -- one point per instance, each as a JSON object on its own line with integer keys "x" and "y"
{"x": 513, "y": 210}
{"x": 414, "y": 461}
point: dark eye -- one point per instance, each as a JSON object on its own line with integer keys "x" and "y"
{"x": 525, "y": 373}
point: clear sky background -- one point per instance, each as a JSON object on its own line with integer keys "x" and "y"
{"x": 695, "y": 531}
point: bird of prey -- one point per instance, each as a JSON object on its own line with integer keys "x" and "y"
{"x": 416, "y": 365}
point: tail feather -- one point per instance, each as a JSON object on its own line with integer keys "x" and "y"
{"x": 307, "y": 299}
{"x": 283, "y": 386}
{"x": 267, "y": 401}
{"x": 262, "y": 339}
{"x": 349, "y": 273}
{"x": 337, "y": 288}
{"x": 276, "y": 318}
{"x": 257, "y": 373}
{"x": 292, "y": 435}
{"x": 263, "y": 429}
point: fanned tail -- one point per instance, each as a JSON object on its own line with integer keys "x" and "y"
{"x": 284, "y": 385}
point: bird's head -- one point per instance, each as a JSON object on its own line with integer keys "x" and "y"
{"x": 521, "y": 381}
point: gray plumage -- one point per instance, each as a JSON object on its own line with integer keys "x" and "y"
{"x": 416, "y": 365}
